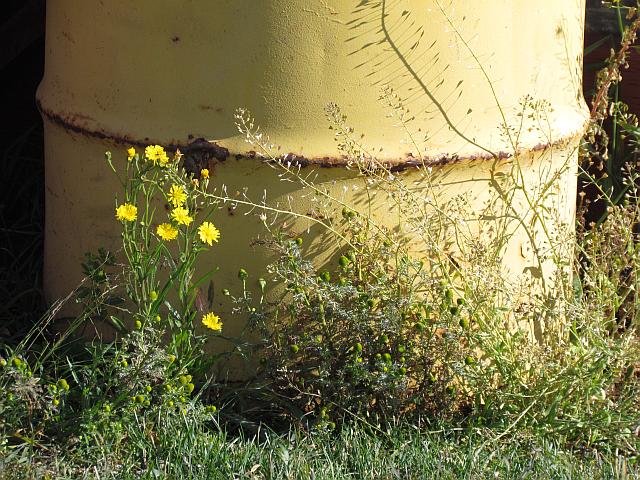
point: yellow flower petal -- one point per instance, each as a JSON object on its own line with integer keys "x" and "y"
{"x": 157, "y": 155}
{"x": 177, "y": 195}
{"x": 181, "y": 216}
{"x": 166, "y": 231}
{"x": 208, "y": 233}
{"x": 212, "y": 321}
{"x": 126, "y": 212}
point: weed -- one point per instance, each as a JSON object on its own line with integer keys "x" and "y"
{"x": 80, "y": 393}
{"x": 385, "y": 334}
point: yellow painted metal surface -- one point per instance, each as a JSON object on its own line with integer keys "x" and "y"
{"x": 158, "y": 71}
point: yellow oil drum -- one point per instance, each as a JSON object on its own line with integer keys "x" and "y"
{"x": 456, "y": 73}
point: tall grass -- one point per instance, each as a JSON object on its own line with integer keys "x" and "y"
{"x": 185, "y": 449}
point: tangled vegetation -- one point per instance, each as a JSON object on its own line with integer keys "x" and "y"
{"x": 374, "y": 363}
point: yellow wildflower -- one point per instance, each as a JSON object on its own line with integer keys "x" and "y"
{"x": 177, "y": 196}
{"x": 204, "y": 173}
{"x": 208, "y": 233}
{"x": 166, "y": 231}
{"x": 181, "y": 215}
{"x": 126, "y": 212}
{"x": 156, "y": 155}
{"x": 131, "y": 152}
{"x": 212, "y": 321}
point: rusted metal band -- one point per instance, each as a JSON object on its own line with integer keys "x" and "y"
{"x": 69, "y": 122}
{"x": 410, "y": 161}
{"x": 213, "y": 150}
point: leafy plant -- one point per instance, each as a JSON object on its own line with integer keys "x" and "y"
{"x": 365, "y": 338}
{"x": 80, "y": 392}
{"x": 385, "y": 334}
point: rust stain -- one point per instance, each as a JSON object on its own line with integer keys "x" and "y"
{"x": 209, "y": 107}
{"x": 409, "y": 161}
{"x": 52, "y": 193}
{"x": 212, "y": 152}
{"x": 68, "y": 37}
{"x": 74, "y": 123}
{"x": 200, "y": 154}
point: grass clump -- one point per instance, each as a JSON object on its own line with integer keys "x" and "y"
{"x": 184, "y": 447}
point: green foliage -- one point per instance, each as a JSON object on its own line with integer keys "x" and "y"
{"x": 365, "y": 337}
{"x": 558, "y": 359}
{"x": 78, "y": 392}
{"x": 158, "y": 280}
{"x": 380, "y": 338}
{"x": 191, "y": 446}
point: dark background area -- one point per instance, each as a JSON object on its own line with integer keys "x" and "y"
{"x": 21, "y": 64}
{"x": 21, "y": 148}
{"x": 601, "y": 28}
{"x": 21, "y": 166}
